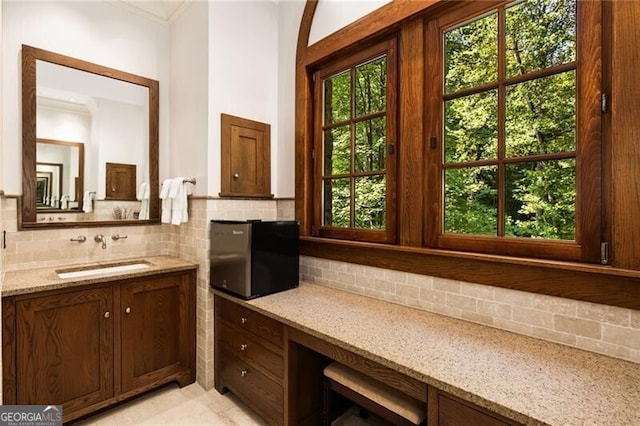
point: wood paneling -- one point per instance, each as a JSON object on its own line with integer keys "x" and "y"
{"x": 410, "y": 133}
{"x": 65, "y": 346}
{"x": 246, "y": 158}
{"x": 120, "y": 181}
{"x": 625, "y": 133}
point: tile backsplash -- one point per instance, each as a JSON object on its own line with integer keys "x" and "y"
{"x": 604, "y": 329}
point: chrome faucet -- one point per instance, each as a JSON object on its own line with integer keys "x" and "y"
{"x": 101, "y": 239}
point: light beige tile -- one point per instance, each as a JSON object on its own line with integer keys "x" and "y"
{"x": 629, "y": 337}
{"x": 605, "y": 314}
{"x": 408, "y": 291}
{"x": 443, "y": 284}
{"x": 494, "y": 309}
{"x": 513, "y": 326}
{"x": 554, "y": 336}
{"x": 635, "y": 319}
{"x": 433, "y": 296}
{"x": 478, "y": 291}
{"x": 533, "y": 317}
{"x": 577, "y": 327}
{"x": 513, "y": 297}
{"x": 464, "y": 303}
{"x": 384, "y": 286}
{"x": 477, "y": 318}
{"x": 555, "y": 304}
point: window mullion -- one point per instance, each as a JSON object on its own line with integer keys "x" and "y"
{"x": 352, "y": 131}
{"x": 501, "y": 151}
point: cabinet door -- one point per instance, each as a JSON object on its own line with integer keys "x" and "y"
{"x": 64, "y": 352}
{"x": 156, "y": 325}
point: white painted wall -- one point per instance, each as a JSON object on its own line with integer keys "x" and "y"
{"x": 99, "y": 32}
{"x": 289, "y": 16}
{"x": 243, "y": 74}
{"x": 332, "y": 15}
{"x": 118, "y": 144}
{"x": 189, "y": 108}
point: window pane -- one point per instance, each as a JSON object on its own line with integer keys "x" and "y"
{"x": 337, "y": 151}
{"x": 471, "y": 129}
{"x": 470, "y": 199}
{"x": 337, "y": 202}
{"x": 541, "y": 199}
{"x": 371, "y": 87}
{"x": 371, "y": 145}
{"x": 337, "y": 98}
{"x": 541, "y": 116}
{"x": 540, "y": 34}
{"x": 471, "y": 54}
{"x": 371, "y": 202}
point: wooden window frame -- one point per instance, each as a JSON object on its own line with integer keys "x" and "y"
{"x": 588, "y": 64}
{"x": 388, "y": 235}
{"x": 617, "y": 283}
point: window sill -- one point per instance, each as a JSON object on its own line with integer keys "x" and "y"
{"x": 587, "y": 282}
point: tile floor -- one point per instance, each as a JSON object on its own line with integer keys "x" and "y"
{"x": 171, "y": 405}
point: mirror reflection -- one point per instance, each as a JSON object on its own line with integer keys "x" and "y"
{"x": 59, "y": 175}
{"x": 83, "y": 125}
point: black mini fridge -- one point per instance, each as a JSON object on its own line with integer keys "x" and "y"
{"x": 254, "y": 258}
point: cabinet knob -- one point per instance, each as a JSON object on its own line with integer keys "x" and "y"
{"x": 128, "y": 310}
{"x": 236, "y": 175}
{"x": 243, "y": 373}
{"x": 244, "y": 320}
{"x": 243, "y": 347}
{"x": 107, "y": 314}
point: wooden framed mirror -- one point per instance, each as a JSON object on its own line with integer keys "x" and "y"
{"x": 55, "y": 87}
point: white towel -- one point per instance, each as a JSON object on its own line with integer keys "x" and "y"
{"x": 87, "y": 201}
{"x": 166, "y": 201}
{"x": 178, "y": 194}
{"x": 143, "y": 196}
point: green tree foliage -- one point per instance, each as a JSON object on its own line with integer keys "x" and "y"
{"x": 355, "y": 147}
{"x": 540, "y": 118}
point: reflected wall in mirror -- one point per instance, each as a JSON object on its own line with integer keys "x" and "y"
{"x": 83, "y": 115}
{"x": 64, "y": 162}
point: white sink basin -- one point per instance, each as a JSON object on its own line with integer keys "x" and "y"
{"x": 101, "y": 269}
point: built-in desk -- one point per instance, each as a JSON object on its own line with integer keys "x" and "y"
{"x": 527, "y": 380}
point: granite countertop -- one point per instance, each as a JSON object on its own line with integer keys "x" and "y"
{"x": 42, "y": 279}
{"x": 529, "y": 380}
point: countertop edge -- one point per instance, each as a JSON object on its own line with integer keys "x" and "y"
{"x": 49, "y": 281}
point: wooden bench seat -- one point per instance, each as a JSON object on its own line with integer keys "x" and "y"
{"x": 375, "y": 396}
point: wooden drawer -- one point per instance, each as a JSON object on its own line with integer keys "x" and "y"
{"x": 244, "y": 345}
{"x": 262, "y": 394}
{"x": 246, "y": 319}
{"x": 447, "y": 410}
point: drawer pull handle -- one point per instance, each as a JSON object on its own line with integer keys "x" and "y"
{"x": 243, "y": 373}
{"x": 244, "y": 320}
{"x": 107, "y": 314}
{"x": 243, "y": 347}
{"x": 128, "y": 310}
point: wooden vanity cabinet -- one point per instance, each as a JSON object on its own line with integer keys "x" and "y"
{"x": 92, "y": 346}
{"x": 249, "y": 359}
{"x": 64, "y": 349}
{"x": 158, "y": 339}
